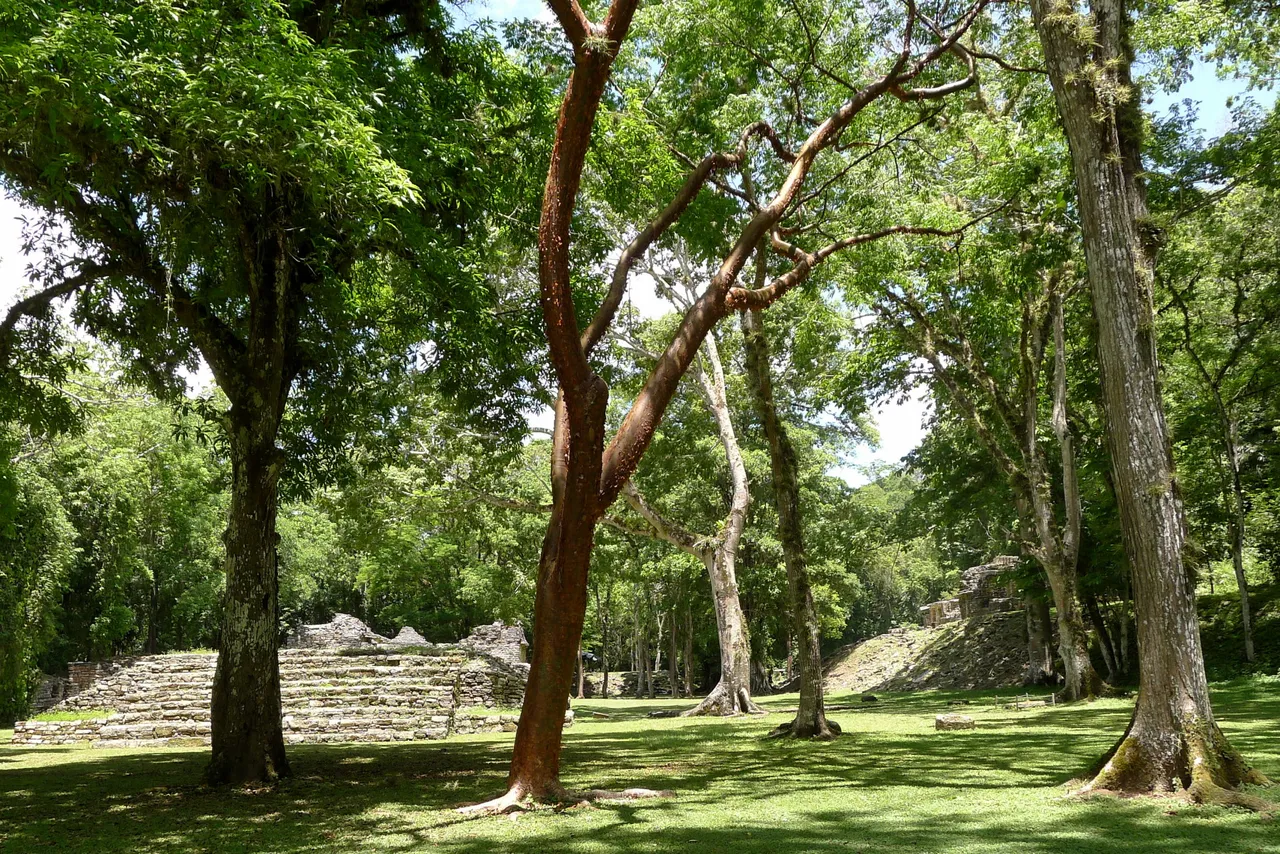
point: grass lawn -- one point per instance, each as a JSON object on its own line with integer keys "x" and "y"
{"x": 890, "y": 784}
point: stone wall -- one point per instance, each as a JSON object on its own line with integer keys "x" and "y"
{"x": 492, "y": 682}
{"x": 622, "y": 683}
{"x": 980, "y": 593}
{"x": 500, "y": 641}
{"x": 366, "y": 694}
{"x": 342, "y": 632}
{"x": 51, "y": 691}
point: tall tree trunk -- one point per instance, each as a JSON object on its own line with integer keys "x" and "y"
{"x": 1237, "y": 536}
{"x": 1104, "y": 636}
{"x": 247, "y": 736}
{"x": 1080, "y": 680}
{"x": 688, "y": 647}
{"x": 732, "y": 694}
{"x": 811, "y": 719}
{"x": 582, "y": 675}
{"x": 673, "y": 670}
{"x": 1173, "y": 734}
{"x": 647, "y": 663}
{"x": 560, "y": 604}
{"x": 1039, "y": 642}
{"x": 1059, "y": 544}
{"x": 604, "y": 640}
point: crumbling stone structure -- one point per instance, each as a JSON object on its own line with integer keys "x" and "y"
{"x": 52, "y": 691}
{"x": 342, "y": 632}
{"x": 980, "y": 593}
{"x": 362, "y": 688}
{"x": 500, "y": 641}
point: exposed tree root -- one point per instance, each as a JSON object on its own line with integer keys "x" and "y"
{"x": 825, "y": 730}
{"x": 514, "y": 799}
{"x": 724, "y": 702}
{"x": 1095, "y": 690}
{"x": 517, "y": 799}
{"x": 1208, "y": 792}
{"x": 1204, "y": 768}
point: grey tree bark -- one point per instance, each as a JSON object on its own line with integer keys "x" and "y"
{"x": 1039, "y": 641}
{"x": 1011, "y": 436}
{"x": 732, "y": 694}
{"x": 1173, "y": 735}
{"x": 811, "y": 718}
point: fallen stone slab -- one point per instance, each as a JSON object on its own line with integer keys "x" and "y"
{"x": 953, "y": 722}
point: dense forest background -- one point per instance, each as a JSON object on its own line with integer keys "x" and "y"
{"x": 417, "y": 493}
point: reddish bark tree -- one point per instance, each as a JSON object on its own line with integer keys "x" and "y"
{"x": 586, "y": 478}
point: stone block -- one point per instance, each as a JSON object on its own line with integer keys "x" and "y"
{"x": 953, "y": 722}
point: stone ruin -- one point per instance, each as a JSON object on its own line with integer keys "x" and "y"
{"x": 343, "y": 631}
{"x": 980, "y": 593}
{"x": 499, "y": 640}
{"x": 339, "y": 682}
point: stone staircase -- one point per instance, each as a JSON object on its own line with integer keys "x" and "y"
{"x": 327, "y": 696}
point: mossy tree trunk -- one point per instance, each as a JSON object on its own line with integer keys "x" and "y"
{"x": 811, "y": 718}
{"x": 1173, "y": 736}
{"x": 247, "y": 736}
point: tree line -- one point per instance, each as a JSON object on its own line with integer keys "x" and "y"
{"x": 372, "y": 225}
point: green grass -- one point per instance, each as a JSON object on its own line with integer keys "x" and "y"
{"x": 891, "y": 785}
{"x": 1223, "y": 634}
{"x": 72, "y": 715}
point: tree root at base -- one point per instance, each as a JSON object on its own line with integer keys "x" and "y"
{"x": 516, "y": 799}
{"x": 722, "y": 702}
{"x": 1208, "y": 770}
{"x": 827, "y": 730}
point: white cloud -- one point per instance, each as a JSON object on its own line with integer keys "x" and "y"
{"x": 901, "y": 427}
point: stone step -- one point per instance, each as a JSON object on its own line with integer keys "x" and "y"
{"x": 364, "y": 712}
{"x": 419, "y": 734}
{"x": 154, "y": 729}
{"x": 144, "y": 715}
{"x": 307, "y": 686}
{"x": 331, "y": 710}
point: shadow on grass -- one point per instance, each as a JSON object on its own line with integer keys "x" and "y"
{"x": 891, "y": 784}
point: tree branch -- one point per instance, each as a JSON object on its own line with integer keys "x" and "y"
{"x": 637, "y": 429}
{"x": 29, "y": 306}
{"x": 577, "y": 27}
{"x": 663, "y": 529}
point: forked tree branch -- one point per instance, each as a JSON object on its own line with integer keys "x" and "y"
{"x": 688, "y": 191}
{"x": 637, "y": 429}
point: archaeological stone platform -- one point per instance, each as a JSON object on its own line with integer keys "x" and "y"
{"x": 375, "y": 690}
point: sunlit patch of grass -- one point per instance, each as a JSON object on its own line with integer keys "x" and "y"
{"x": 73, "y": 715}
{"x": 890, "y": 785}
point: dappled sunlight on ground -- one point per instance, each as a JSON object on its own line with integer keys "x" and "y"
{"x": 890, "y": 784}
